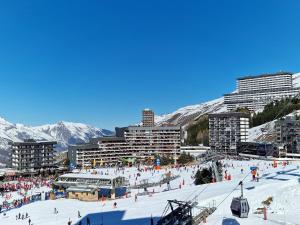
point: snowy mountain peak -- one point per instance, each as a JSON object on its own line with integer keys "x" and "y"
{"x": 67, "y": 133}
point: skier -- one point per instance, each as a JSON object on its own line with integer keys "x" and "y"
{"x": 79, "y": 216}
{"x": 29, "y": 221}
{"x": 115, "y": 205}
{"x": 135, "y": 198}
{"x": 69, "y": 222}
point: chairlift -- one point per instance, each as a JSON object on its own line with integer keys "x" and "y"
{"x": 239, "y": 205}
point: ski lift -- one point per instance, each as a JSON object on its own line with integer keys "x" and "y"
{"x": 239, "y": 205}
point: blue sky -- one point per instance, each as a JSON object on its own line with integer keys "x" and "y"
{"x": 102, "y": 62}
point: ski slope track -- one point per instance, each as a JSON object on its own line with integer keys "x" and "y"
{"x": 281, "y": 183}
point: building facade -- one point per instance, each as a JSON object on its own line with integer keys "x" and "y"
{"x": 148, "y": 118}
{"x": 99, "y": 151}
{"x": 226, "y": 130}
{"x": 254, "y": 92}
{"x": 129, "y": 143}
{"x": 32, "y": 155}
{"x": 92, "y": 187}
{"x": 288, "y": 134}
{"x": 138, "y": 142}
{"x": 147, "y": 141}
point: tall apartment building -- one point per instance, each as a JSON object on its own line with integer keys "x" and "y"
{"x": 148, "y": 118}
{"x": 226, "y": 130}
{"x": 141, "y": 142}
{"x": 254, "y": 92}
{"x": 288, "y": 134}
{"x": 99, "y": 151}
{"x": 32, "y": 155}
{"x": 146, "y": 141}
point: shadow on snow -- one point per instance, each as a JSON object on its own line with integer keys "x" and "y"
{"x": 113, "y": 218}
{"x": 229, "y": 221}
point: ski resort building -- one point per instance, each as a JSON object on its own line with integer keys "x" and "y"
{"x": 144, "y": 142}
{"x": 133, "y": 142}
{"x": 138, "y": 142}
{"x": 226, "y": 130}
{"x": 32, "y": 155}
{"x": 148, "y": 118}
{"x": 288, "y": 134}
{"x": 99, "y": 151}
{"x": 194, "y": 150}
{"x": 254, "y": 92}
{"x": 92, "y": 187}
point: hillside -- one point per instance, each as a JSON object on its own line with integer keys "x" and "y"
{"x": 192, "y": 118}
{"x": 188, "y": 114}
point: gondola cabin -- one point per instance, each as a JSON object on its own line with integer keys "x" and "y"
{"x": 240, "y": 207}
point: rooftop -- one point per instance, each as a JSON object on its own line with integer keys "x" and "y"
{"x": 107, "y": 138}
{"x": 154, "y": 128}
{"x": 33, "y": 142}
{"x": 265, "y": 75}
{"x": 228, "y": 114}
{"x": 89, "y": 176}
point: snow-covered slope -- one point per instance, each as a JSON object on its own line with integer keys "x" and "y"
{"x": 255, "y": 133}
{"x": 188, "y": 114}
{"x": 296, "y": 80}
{"x": 66, "y": 133}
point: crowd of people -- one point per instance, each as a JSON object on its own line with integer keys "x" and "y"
{"x": 19, "y": 192}
{"x": 24, "y": 184}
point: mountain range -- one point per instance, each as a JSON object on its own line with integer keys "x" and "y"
{"x": 65, "y": 133}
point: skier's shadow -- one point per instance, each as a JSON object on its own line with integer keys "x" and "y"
{"x": 112, "y": 218}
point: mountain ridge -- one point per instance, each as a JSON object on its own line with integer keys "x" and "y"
{"x": 65, "y": 133}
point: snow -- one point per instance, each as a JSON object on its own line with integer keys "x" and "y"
{"x": 189, "y": 113}
{"x": 65, "y": 133}
{"x": 296, "y": 80}
{"x": 88, "y": 176}
{"x": 255, "y": 133}
{"x": 192, "y": 111}
{"x": 281, "y": 183}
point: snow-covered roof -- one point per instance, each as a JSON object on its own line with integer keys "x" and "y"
{"x": 89, "y": 176}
